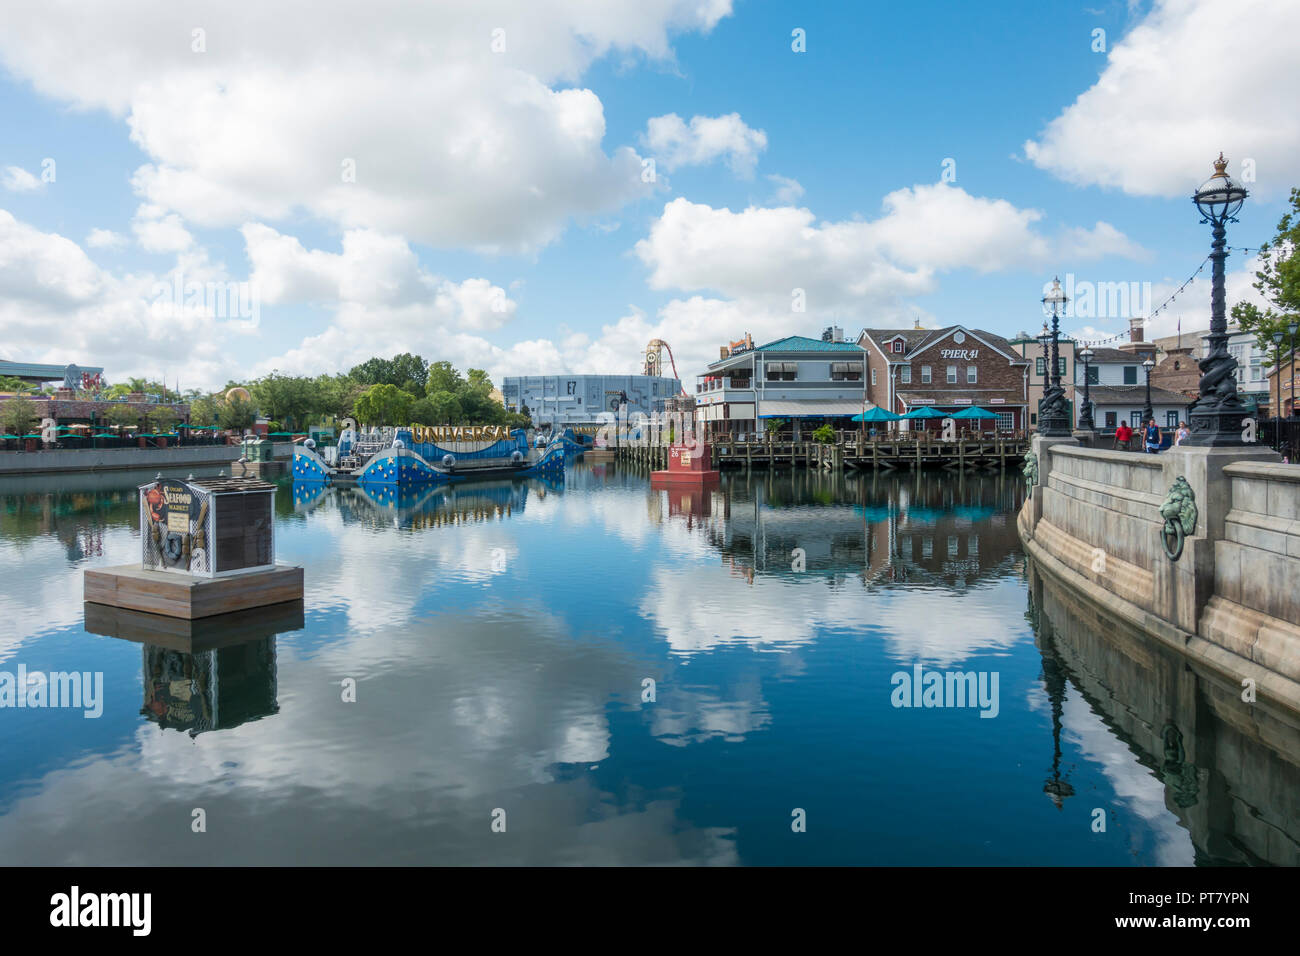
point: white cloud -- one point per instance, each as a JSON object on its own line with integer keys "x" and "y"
{"x": 160, "y": 231}
{"x": 105, "y": 239}
{"x": 374, "y": 282}
{"x": 706, "y": 139}
{"x": 453, "y": 144}
{"x": 57, "y": 306}
{"x": 788, "y": 191}
{"x": 19, "y": 180}
{"x": 1184, "y": 84}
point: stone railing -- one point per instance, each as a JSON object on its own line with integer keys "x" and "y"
{"x": 1226, "y": 589}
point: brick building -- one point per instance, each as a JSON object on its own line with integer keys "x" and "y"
{"x": 947, "y": 369}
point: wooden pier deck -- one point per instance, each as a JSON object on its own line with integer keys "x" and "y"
{"x": 850, "y": 451}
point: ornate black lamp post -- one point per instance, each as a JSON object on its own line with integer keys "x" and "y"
{"x": 1085, "y": 412}
{"x": 1053, "y": 410}
{"x": 1218, "y": 411}
{"x": 1292, "y": 327}
{"x": 1148, "y": 412}
{"x": 1277, "y": 374}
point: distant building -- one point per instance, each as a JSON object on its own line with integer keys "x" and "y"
{"x": 947, "y": 369}
{"x": 1031, "y": 348}
{"x": 1290, "y": 372}
{"x": 580, "y": 399}
{"x": 71, "y": 376}
{"x": 801, "y": 381}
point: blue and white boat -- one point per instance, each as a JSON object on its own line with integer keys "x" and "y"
{"x": 393, "y": 457}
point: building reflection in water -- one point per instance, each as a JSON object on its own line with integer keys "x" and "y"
{"x": 1228, "y": 767}
{"x": 921, "y": 528}
{"x": 209, "y": 674}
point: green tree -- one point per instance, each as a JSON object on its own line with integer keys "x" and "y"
{"x": 407, "y": 372}
{"x": 10, "y": 384}
{"x": 444, "y": 409}
{"x": 236, "y": 415}
{"x": 443, "y": 377}
{"x": 1277, "y": 280}
{"x": 384, "y": 405}
{"x": 288, "y": 398}
{"x": 203, "y": 410}
{"x": 124, "y": 415}
{"x": 162, "y": 419}
{"x": 825, "y": 434}
{"x": 17, "y": 416}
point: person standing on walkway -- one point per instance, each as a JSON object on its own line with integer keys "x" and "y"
{"x": 1151, "y": 438}
{"x": 1182, "y": 434}
{"x": 1123, "y": 436}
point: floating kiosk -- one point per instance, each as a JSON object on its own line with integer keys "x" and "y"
{"x": 420, "y": 455}
{"x": 688, "y": 466}
{"x": 207, "y": 548}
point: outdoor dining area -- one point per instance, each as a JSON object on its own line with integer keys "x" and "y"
{"x": 83, "y": 436}
{"x": 972, "y": 421}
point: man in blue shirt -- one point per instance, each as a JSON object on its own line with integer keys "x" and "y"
{"x": 1151, "y": 437}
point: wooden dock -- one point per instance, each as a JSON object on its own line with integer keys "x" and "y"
{"x": 849, "y": 452}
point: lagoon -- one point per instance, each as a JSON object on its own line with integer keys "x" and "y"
{"x": 589, "y": 671}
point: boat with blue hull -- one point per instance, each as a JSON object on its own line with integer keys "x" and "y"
{"x": 400, "y": 460}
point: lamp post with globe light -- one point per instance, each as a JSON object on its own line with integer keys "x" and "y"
{"x": 1053, "y": 409}
{"x": 1217, "y": 415}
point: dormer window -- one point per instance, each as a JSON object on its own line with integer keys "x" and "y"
{"x": 897, "y": 346}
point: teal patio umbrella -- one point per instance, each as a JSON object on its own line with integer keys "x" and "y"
{"x": 924, "y": 411}
{"x": 973, "y": 412}
{"x": 877, "y": 414}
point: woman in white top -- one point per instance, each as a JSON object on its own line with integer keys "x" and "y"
{"x": 1182, "y": 434}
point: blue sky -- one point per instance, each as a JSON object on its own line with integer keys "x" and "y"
{"x": 498, "y": 218}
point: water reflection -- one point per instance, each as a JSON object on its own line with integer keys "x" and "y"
{"x": 634, "y": 676}
{"x": 1175, "y": 737}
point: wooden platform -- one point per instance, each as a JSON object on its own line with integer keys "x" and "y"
{"x": 194, "y": 636}
{"x": 186, "y": 596}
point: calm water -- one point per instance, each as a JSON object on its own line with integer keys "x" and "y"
{"x": 503, "y": 640}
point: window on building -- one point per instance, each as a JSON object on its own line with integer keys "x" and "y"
{"x": 952, "y": 375}
{"x": 1094, "y": 375}
{"x": 1135, "y": 419}
{"x": 925, "y": 374}
{"x": 1060, "y": 364}
{"x": 1130, "y": 374}
{"x": 781, "y": 371}
{"x": 897, "y": 346}
{"x": 1006, "y": 421}
{"x": 571, "y": 386}
{"x": 873, "y": 376}
{"x": 905, "y": 375}
{"x": 848, "y": 372}
{"x": 1171, "y": 419}
{"x": 1256, "y": 366}
{"x": 1040, "y": 367}
{"x": 970, "y": 375}
{"x": 1033, "y": 418}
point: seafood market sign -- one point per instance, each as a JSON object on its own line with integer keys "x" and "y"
{"x": 174, "y": 528}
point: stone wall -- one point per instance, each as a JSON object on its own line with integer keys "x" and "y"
{"x": 105, "y": 459}
{"x": 1232, "y": 595}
